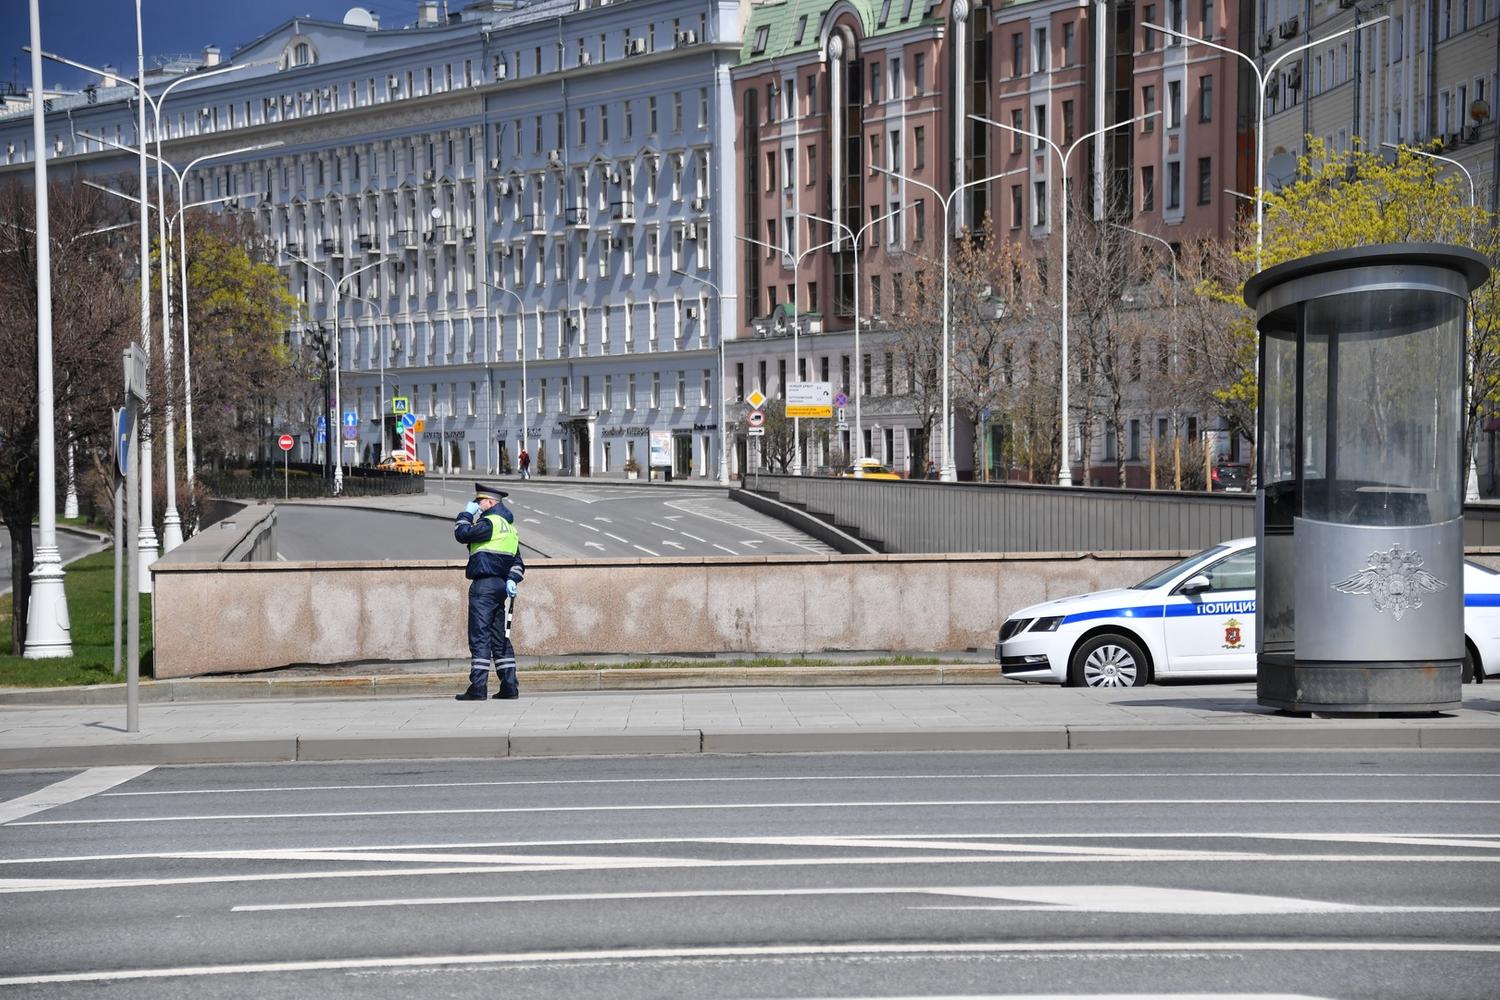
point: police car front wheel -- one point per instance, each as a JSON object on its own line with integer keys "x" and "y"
{"x": 1108, "y": 661}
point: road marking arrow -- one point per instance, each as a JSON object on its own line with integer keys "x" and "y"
{"x": 752, "y": 542}
{"x": 594, "y": 545}
{"x": 675, "y": 545}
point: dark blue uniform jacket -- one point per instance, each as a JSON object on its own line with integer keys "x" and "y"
{"x": 469, "y": 529}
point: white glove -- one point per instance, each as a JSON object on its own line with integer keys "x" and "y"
{"x": 510, "y": 588}
{"x": 473, "y": 508}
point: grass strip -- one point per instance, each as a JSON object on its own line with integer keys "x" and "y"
{"x": 89, "y": 584}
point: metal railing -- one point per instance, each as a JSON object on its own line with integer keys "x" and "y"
{"x": 306, "y": 479}
{"x": 924, "y": 516}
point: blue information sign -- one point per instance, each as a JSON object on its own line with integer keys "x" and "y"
{"x": 408, "y": 420}
{"x": 351, "y": 418}
{"x": 122, "y": 440}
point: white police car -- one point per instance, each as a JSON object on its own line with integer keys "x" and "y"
{"x": 1195, "y": 619}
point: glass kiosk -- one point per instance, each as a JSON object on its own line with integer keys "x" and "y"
{"x": 1359, "y": 503}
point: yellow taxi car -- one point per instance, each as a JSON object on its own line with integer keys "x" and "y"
{"x": 400, "y": 461}
{"x": 868, "y": 468}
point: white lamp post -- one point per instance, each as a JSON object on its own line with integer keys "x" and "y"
{"x": 335, "y": 423}
{"x": 1065, "y": 470}
{"x": 854, "y": 241}
{"x": 796, "y": 328}
{"x": 949, "y": 471}
{"x": 723, "y": 416}
{"x": 171, "y": 526}
{"x": 47, "y": 627}
{"x": 1261, "y": 77}
{"x": 171, "y": 521}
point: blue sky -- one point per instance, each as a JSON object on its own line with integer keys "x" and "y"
{"x": 103, "y": 31}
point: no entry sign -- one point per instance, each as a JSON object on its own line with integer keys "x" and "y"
{"x": 285, "y": 441}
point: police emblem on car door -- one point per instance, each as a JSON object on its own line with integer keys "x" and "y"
{"x": 1212, "y": 627}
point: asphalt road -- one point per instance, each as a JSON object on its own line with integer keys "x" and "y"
{"x": 69, "y": 545}
{"x": 885, "y": 875}
{"x": 556, "y": 521}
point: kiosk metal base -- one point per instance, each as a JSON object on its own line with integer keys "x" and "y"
{"x": 1320, "y": 686}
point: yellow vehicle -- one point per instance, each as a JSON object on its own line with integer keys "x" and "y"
{"x": 868, "y": 468}
{"x": 401, "y": 461}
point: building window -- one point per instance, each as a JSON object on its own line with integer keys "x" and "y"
{"x": 919, "y": 144}
{"x": 1174, "y": 104}
{"x": 1067, "y": 115}
{"x": 1174, "y": 185}
{"x": 1206, "y": 98}
{"x": 1068, "y": 29}
{"x": 1038, "y": 125}
{"x": 1039, "y": 205}
{"x": 1017, "y": 54}
{"x": 1148, "y": 105}
{"x": 1016, "y": 210}
{"x": 1018, "y": 127}
{"x": 1148, "y": 188}
{"x": 1205, "y": 180}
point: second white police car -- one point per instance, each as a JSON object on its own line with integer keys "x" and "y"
{"x": 1195, "y": 619}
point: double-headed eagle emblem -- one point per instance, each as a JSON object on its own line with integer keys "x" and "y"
{"x": 1394, "y": 579}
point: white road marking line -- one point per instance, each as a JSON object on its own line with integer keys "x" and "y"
{"x": 725, "y": 548}
{"x": 645, "y": 550}
{"x": 791, "y": 777}
{"x": 9, "y": 886}
{"x": 1135, "y": 899}
{"x": 915, "y": 841}
{"x": 593, "y": 545}
{"x": 884, "y": 949}
{"x": 588, "y": 526}
{"x": 663, "y": 527}
{"x": 786, "y": 537}
{"x": 726, "y": 806}
{"x": 567, "y": 519}
{"x": 693, "y": 537}
{"x": 604, "y": 519}
{"x": 622, "y": 541}
{"x": 752, "y": 542}
{"x": 60, "y": 793}
{"x": 675, "y": 545}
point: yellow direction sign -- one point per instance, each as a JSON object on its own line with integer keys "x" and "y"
{"x": 756, "y": 399}
{"x": 420, "y": 425}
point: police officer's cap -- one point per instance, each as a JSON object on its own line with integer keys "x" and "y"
{"x": 483, "y": 491}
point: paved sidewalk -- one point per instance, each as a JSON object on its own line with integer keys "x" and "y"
{"x": 743, "y": 720}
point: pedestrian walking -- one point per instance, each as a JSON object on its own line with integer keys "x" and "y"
{"x": 495, "y": 569}
{"x": 932, "y": 469}
{"x": 525, "y": 458}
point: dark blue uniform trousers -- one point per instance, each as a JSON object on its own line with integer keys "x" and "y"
{"x": 489, "y": 643}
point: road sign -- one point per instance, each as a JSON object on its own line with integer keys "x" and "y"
{"x": 755, "y": 418}
{"x": 322, "y": 436}
{"x": 408, "y": 420}
{"x": 351, "y": 418}
{"x": 756, "y": 399}
{"x": 322, "y": 423}
{"x": 756, "y": 432}
{"x": 842, "y": 425}
{"x": 809, "y": 399}
{"x": 351, "y": 444}
{"x": 841, "y": 399}
{"x": 122, "y": 440}
{"x": 135, "y": 372}
{"x": 840, "y": 415}
{"x": 419, "y": 426}
{"x": 285, "y": 442}
{"x": 350, "y": 434}
{"x": 401, "y": 405}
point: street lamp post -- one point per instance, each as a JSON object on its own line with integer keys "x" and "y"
{"x": 796, "y": 329}
{"x": 171, "y": 521}
{"x": 1471, "y": 478}
{"x": 854, "y": 241}
{"x": 1261, "y": 77}
{"x": 520, "y": 347}
{"x": 1065, "y": 470}
{"x": 47, "y": 626}
{"x": 380, "y": 349}
{"x": 171, "y": 524}
{"x": 335, "y": 420}
{"x": 723, "y": 415}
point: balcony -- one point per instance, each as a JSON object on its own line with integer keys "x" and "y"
{"x": 577, "y": 217}
{"x": 536, "y": 225}
{"x": 622, "y": 211}
{"x": 407, "y": 239}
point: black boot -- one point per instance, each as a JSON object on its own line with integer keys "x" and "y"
{"x": 478, "y": 679}
{"x": 509, "y": 686}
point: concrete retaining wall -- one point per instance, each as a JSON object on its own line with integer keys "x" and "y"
{"x": 212, "y": 617}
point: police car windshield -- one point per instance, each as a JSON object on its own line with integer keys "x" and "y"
{"x": 1162, "y": 578}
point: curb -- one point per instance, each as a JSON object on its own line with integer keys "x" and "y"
{"x": 695, "y": 741}
{"x": 534, "y": 680}
{"x": 377, "y": 746}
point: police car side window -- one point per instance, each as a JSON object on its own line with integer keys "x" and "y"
{"x": 1237, "y": 572}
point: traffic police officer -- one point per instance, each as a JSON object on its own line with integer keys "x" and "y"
{"x": 495, "y": 567}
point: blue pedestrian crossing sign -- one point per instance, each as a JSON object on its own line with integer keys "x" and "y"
{"x": 400, "y": 405}
{"x": 351, "y": 418}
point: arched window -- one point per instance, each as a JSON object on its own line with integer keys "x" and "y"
{"x": 302, "y": 54}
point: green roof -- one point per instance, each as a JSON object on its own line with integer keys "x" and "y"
{"x": 778, "y": 29}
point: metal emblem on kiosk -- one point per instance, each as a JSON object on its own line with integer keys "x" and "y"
{"x": 1394, "y": 579}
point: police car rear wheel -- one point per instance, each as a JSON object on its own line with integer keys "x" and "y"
{"x": 1108, "y": 661}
